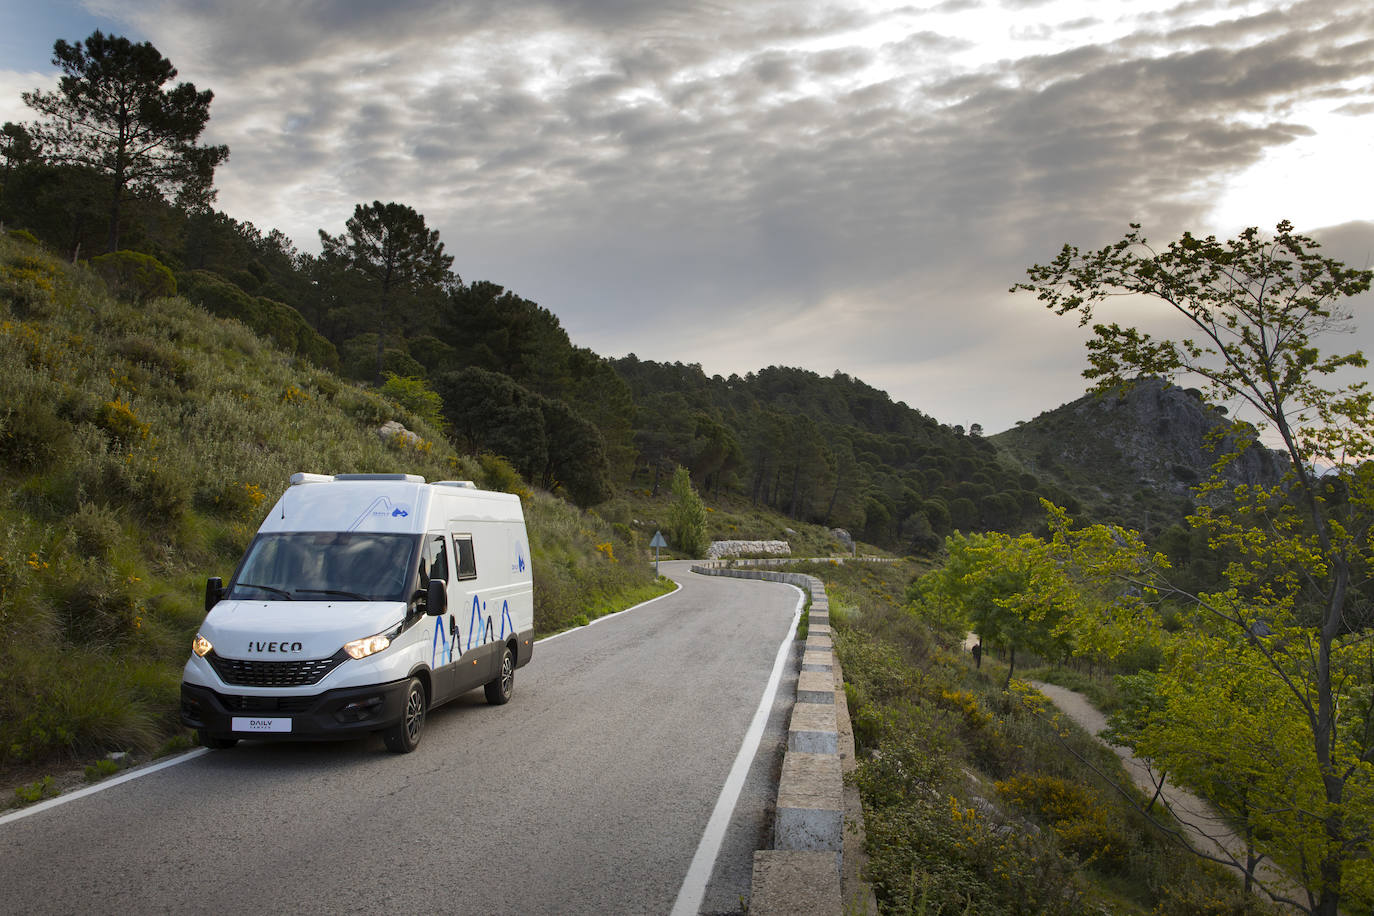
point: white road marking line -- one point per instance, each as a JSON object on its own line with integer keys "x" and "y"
{"x": 101, "y": 786}
{"x": 676, "y": 589}
{"x": 693, "y": 889}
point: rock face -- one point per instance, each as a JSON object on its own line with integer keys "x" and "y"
{"x": 1163, "y": 433}
{"x": 720, "y": 549}
{"x": 846, "y": 541}
{"x": 1135, "y": 456}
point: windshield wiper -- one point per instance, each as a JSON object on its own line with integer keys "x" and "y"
{"x": 330, "y": 591}
{"x": 267, "y": 588}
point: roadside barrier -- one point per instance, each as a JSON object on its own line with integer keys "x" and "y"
{"x": 815, "y": 862}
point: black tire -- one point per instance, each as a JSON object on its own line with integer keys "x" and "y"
{"x": 499, "y": 690}
{"x": 213, "y": 743}
{"x": 404, "y": 736}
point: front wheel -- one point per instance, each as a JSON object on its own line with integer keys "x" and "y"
{"x": 404, "y": 736}
{"x": 499, "y": 690}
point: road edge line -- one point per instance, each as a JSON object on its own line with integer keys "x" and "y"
{"x": 592, "y": 623}
{"x": 693, "y": 890}
{"x": 101, "y": 786}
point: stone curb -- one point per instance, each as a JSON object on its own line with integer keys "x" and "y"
{"x": 813, "y": 867}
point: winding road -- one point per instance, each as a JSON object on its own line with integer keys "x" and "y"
{"x": 589, "y": 793}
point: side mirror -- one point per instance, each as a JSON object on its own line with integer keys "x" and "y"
{"x": 436, "y": 598}
{"x": 214, "y": 590}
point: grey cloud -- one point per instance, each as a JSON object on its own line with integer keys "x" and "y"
{"x": 925, "y": 43}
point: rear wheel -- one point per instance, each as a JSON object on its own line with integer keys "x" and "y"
{"x": 215, "y": 744}
{"x": 404, "y": 736}
{"x": 499, "y": 690}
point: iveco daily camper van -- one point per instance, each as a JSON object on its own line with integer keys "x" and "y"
{"x": 364, "y": 601}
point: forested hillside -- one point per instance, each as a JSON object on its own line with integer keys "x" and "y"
{"x": 829, "y": 450}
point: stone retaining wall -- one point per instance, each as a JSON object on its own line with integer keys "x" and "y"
{"x": 814, "y": 865}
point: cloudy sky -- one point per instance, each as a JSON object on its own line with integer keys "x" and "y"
{"x": 841, "y": 184}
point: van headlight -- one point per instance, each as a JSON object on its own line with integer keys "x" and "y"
{"x": 369, "y": 645}
{"x": 201, "y": 646}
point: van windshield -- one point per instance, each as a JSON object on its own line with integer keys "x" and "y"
{"x": 327, "y": 565}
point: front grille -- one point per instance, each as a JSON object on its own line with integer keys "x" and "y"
{"x": 234, "y": 703}
{"x": 246, "y": 673}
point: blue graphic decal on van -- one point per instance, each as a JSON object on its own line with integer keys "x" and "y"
{"x": 505, "y": 619}
{"x": 441, "y": 656}
{"x": 519, "y": 564}
{"x": 475, "y": 619}
{"x": 381, "y": 507}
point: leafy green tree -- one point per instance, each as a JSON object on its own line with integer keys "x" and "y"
{"x": 401, "y": 257}
{"x": 576, "y": 461}
{"x": 112, "y": 115}
{"x": 415, "y": 396}
{"x": 488, "y": 412}
{"x": 1053, "y": 597}
{"x": 1292, "y": 600}
{"x": 687, "y": 516}
{"x": 545, "y": 439}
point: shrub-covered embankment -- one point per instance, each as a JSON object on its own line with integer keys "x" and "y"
{"x": 976, "y": 800}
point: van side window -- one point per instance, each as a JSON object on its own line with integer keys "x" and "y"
{"x": 467, "y": 561}
{"x": 434, "y": 560}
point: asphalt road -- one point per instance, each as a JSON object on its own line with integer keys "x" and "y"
{"x": 588, "y": 793}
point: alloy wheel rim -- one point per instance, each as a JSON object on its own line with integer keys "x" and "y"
{"x": 415, "y": 714}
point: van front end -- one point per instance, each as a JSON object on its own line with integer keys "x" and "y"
{"x": 223, "y": 718}
{"x": 323, "y": 681}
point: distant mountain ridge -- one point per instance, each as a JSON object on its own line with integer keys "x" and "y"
{"x": 1133, "y": 456}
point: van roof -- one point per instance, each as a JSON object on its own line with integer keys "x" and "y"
{"x": 397, "y": 503}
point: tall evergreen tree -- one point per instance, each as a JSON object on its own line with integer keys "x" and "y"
{"x": 111, "y": 114}
{"x": 402, "y": 257}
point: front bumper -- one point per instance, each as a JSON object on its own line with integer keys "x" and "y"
{"x": 335, "y": 714}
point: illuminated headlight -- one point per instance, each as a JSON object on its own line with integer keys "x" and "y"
{"x": 371, "y": 645}
{"x": 201, "y": 646}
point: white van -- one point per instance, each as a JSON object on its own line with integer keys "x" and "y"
{"x": 364, "y": 601}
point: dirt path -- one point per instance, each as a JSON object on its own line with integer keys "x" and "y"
{"x": 1205, "y": 829}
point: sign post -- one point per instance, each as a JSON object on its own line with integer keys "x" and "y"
{"x": 656, "y": 543}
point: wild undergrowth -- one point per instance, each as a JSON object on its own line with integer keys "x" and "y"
{"x": 140, "y": 446}
{"x": 982, "y": 801}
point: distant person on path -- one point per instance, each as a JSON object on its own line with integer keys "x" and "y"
{"x": 978, "y": 655}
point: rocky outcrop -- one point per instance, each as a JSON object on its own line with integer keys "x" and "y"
{"x": 1134, "y": 456}
{"x": 391, "y": 430}
{"x": 1166, "y": 433}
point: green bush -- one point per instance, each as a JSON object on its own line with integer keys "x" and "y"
{"x": 275, "y": 320}
{"x": 32, "y": 435}
{"x": 134, "y": 276}
{"x": 415, "y": 396}
{"x": 24, "y": 235}
{"x": 1077, "y": 815}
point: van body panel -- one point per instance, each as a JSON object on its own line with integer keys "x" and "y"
{"x": 299, "y": 596}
